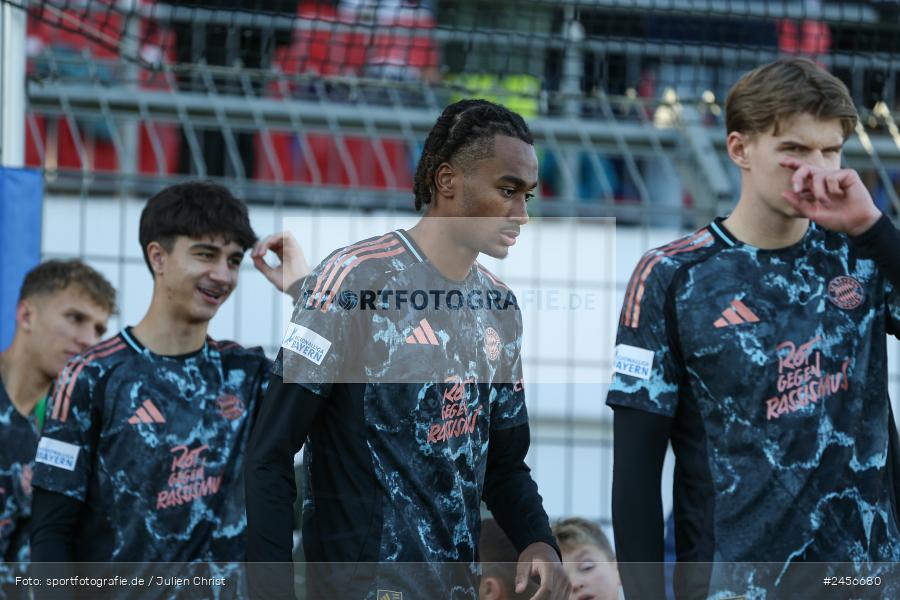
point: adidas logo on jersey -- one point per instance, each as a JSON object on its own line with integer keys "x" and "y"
{"x": 423, "y": 334}
{"x": 737, "y": 314}
{"x": 146, "y": 413}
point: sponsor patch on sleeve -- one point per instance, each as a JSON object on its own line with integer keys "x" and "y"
{"x": 57, "y": 454}
{"x": 634, "y": 361}
{"x": 306, "y": 342}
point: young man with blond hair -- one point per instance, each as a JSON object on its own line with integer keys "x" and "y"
{"x": 757, "y": 346}
{"x": 63, "y": 309}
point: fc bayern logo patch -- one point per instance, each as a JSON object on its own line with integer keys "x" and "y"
{"x": 230, "y": 407}
{"x": 846, "y": 292}
{"x": 492, "y": 343}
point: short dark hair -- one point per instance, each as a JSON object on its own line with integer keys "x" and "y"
{"x": 575, "y": 531}
{"x": 54, "y": 276}
{"x": 464, "y": 133}
{"x": 771, "y": 94}
{"x": 194, "y": 209}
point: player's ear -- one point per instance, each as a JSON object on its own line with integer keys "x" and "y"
{"x": 445, "y": 181}
{"x": 25, "y": 314}
{"x": 490, "y": 588}
{"x": 156, "y": 254}
{"x": 738, "y": 144}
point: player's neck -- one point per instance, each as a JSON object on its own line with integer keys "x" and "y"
{"x": 163, "y": 333}
{"x": 755, "y": 224}
{"x": 453, "y": 260}
{"x": 25, "y": 383}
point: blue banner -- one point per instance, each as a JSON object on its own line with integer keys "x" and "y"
{"x": 21, "y": 196}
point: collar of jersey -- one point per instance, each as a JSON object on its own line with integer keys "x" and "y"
{"x": 722, "y": 234}
{"x": 141, "y": 349}
{"x": 407, "y": 241}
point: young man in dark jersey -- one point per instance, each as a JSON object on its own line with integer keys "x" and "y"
{"x": 63, "y": 309}
{"x": 141, "y": 455}
{"x": 757, "y": 346}
{"x": 400, "y": 375}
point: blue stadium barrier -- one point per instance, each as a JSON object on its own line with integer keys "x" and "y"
{"x": 21, "y": 197}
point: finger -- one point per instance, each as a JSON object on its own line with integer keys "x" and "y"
{"x": 790, "y": 163}
{"x": 261, "y": 266}
{"x": 522, "y": 569}
{"x": 557, "y": 583}
{"x": 260, "y": 248}
{"x": 566, "y": 588}
{"x": 274, "y": 242}
{"x": 798, "y": 179}
{"x": 255, "y": 251}
{"x": 800, "y": 203}
{"x": 833, "y": 185}
{"x": 560, "y": 584}
{"x": 543, "y": 592}
{"x": 818, "y": 187}
{"x": 541, "y": 570}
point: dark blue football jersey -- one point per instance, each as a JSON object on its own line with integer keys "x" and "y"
{"x": 416, "y": 370}
{"x": 19, "y": 435}
{"x": 773, "y": 365}
{"x": 154, "y": 445}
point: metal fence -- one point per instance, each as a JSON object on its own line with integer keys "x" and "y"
{"x": 315, "y": 109}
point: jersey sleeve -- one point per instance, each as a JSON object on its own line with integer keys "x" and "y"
{"x": 68, "y": 441}
{"x": 646, "y": 367}
{"x": 508, "y": 392}
{"x": 880, "y": 244}
{"x": 318, "y": 337}
{"x": 893, "y": 308}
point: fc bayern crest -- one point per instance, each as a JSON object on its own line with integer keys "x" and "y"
{"x": 492, "y": 343}
{"x": 230, "y": 407}
{"x": 846, "y": 292}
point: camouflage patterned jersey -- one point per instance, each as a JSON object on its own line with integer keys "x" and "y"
{"x": 154, "y": 447}
{"x": 18, "y": 441}
{"x": 772, "y": 364}
{"x": 416, "y": 371}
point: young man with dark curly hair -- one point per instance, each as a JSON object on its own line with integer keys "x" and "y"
{"x": 141, "y": 456}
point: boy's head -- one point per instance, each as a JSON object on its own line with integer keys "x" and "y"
{"x": 588, "y": 559}
{"x": 498, "y": 565}
{"x": 478, "y": 163}
{"x": 194, "y": 236}
{"x": 63, "y": 309}
{"x": 787, "y": 108}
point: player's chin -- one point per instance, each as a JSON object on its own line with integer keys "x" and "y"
{"x": 61, "y": 361}
{"x": 203, "y": 310}
{"x": 496, "y": 250}
{"x": 781, "y": 206}
{"x": 790, "y": 212}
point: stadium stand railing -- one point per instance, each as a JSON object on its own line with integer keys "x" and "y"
{"x": 625, "y": 97}
{"x": 325, "y": 104}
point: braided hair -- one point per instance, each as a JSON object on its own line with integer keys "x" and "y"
{"x": 464, "y": 133}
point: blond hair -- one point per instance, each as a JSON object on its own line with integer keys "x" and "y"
{"x": 576, "y": 531}
{"x": 767, "y": 96}
{"x": 54, "y": 276}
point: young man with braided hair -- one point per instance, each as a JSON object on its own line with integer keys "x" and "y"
{"x": 409, "y": 404}
{"x": 757, "y": 345}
